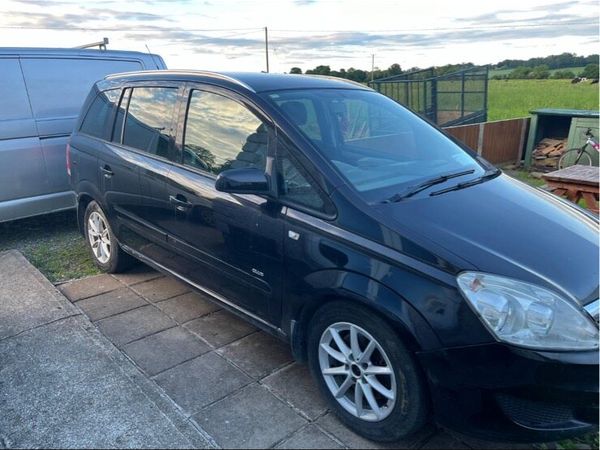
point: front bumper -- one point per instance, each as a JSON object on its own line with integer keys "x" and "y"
{"x": 499, "y": 392}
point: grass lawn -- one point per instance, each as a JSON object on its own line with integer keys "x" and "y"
{"x": 575, "y": 70}
{"x": 52, "y": 243}
{"x": 508, "y": 99}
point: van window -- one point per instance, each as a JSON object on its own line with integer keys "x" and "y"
{"x": 97, "y": 120}
{"x": 13, "y": 95}
{"x": 221, "y": 134}
{"x": 149, "y": 121}
{"x": 58, "y": 86}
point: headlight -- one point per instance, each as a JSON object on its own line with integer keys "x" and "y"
{"x": 528, "y": 315}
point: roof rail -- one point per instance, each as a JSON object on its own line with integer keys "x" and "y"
{"x": 176, "y": 71}
{"x": 101, "y": 45}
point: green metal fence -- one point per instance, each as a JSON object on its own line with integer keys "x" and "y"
{"x": 455, "y": 98}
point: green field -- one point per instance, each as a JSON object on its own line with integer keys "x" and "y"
{"x": 575, "y": 70}
{"x": 508, "y": 99}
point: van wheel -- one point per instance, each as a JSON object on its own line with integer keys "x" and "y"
{"x": 369, "y": 378}
{"x": 101, "y": 241}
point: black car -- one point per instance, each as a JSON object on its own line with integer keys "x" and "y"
{"x": 417, "y": 280}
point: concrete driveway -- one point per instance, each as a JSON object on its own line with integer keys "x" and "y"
{"x": 182, "y": 372}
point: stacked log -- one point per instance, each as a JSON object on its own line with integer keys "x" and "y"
{"x": 548, "y": 151}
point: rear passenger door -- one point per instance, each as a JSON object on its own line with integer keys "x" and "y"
{"x": 146, "y": 136}
{"x": 228, "y": 244}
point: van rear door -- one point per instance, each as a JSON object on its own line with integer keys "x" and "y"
{"x": 57, "y": 89}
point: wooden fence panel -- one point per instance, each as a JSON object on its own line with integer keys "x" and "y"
{"x": 498, "y": 142}
{"x": 468, "y": 134}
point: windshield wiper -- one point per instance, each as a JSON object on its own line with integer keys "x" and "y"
{"x": 412, "y": 190}
{"x": 488, "y": 175}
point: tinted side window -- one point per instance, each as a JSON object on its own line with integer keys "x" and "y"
{"x": 98, "y": 120}
{"x": 221, "y": 134}
{"x": 296, "y": 186}
{"x": 149, "y": 121}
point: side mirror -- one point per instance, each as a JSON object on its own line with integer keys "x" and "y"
{"x": 243, "y": 181}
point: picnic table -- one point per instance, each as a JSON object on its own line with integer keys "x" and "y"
{"x": 576, "y": 182}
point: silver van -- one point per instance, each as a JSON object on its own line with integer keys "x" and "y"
{"x": 41, "y": 93}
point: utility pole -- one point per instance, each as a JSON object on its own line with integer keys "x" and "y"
{"x": 267, "y": 47}
{"x": 372, "y": 67}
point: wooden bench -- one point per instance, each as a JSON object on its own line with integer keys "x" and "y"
{"x": 575, "y": 183}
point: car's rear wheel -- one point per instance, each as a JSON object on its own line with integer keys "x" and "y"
{"x": 368, "y": 376}
{"x": 103, "y": 244}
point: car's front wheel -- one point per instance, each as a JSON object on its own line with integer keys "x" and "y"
{"x": 101, "y": 241}
{"x": 368, "y": 376}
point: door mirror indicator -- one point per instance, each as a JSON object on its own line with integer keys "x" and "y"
{"x": 243, "y": 181}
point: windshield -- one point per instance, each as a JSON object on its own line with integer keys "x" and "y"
{"x": 377, "y": 145}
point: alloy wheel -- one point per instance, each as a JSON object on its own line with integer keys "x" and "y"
{"x": 99, "y": 237}
{"x": 357, "y": 371}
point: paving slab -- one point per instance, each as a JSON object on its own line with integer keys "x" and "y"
{"x": 27, "y": 299}
{"x": 333, "y": 426}
{"x": 63, "y": 385}
{"x": 135, "y": 324}
{"x": 89, "y": 286}
{"x": 251, "y": 418}
{"x": 310, "y": 436}
{"x": 258, "y": 354}
{"x": 160, "y": 289}
{"x": 220, "y": 328}
{"x": 161, "y": 351}
{"x": 110, "y": 303}
{"x": 201, "y": 381}
{"x": 295, "y": 385}
{"x": 186, "y": 307}
{"x": 137, "y": 274}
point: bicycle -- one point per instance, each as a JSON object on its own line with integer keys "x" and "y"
{"x": 579, "y": 156}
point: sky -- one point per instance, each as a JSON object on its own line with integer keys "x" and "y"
{"x": 226, "y": 35}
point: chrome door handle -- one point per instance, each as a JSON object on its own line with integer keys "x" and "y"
{"x": 107, "y": 172}
{"x": 181, "y": 203}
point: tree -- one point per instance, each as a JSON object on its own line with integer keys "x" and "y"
{"x": 394, "y": 69}
{"x": 590, "y": 71}
{"x": 519, "y": 73}
{"x": 296, "y": 70}
{"x": 539, "y": 72}
{"x": 563, "y": 75}
{"x": 320, "y": 70}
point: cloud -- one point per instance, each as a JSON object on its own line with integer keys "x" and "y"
{"x": 504, "y": 26}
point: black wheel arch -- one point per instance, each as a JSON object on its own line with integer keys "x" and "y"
{"x": 388, "y": 305}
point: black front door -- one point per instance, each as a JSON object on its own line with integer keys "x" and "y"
{"x": 229, "y": 244}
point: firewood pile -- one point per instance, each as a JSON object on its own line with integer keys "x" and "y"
{"x": 548, "y": 151}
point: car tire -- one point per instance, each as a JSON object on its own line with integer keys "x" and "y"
{"x": 390, "y": 369}
{"x": 102, "y": 242}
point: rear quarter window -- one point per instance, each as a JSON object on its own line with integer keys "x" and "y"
{"x": 59, "y": 86}
{"x": 99, "y": 117}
